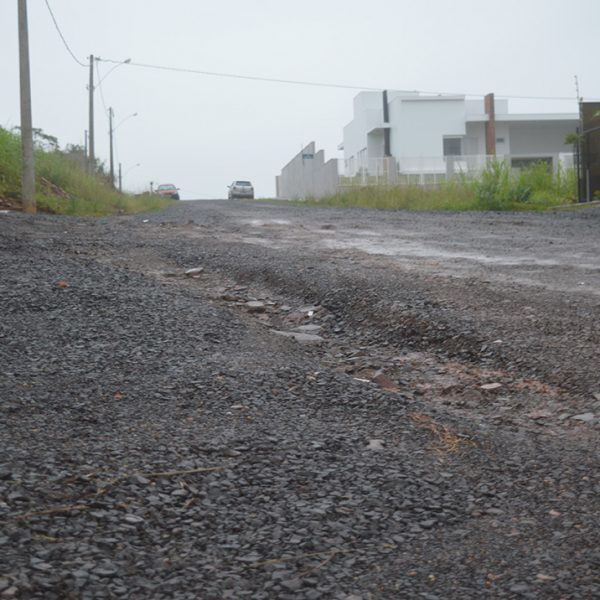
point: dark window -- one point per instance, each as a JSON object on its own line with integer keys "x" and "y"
{"x": 452, "y": 146}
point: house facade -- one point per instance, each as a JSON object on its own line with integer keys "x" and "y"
{"x": 437, "y": 134}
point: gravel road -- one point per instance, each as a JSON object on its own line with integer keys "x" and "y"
{"x": 233, "y": 400}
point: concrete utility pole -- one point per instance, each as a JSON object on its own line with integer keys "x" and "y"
{"x": 110, "y": 137}
{"x": 120, "y": 179}
{"x": 91, "y": 152}
{"x": 28, "y": 170}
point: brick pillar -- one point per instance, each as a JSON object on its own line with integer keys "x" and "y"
{"x": 490, "y": 126}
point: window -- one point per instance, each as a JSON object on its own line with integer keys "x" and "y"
{"x": 453, "y": 146}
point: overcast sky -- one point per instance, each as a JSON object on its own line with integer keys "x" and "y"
{"x": 201, "y": 132}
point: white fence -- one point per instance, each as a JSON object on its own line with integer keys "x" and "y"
{"x": 431, "y": 171}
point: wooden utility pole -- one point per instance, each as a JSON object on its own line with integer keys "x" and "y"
{"x": 28, "y": 170}
{"x": 91, "y": 152}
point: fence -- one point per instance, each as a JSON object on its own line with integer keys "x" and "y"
{"x": 432, "y": 171}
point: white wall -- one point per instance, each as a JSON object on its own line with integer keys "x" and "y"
{"x": 376, "y": 144}
{"x": 368, "y": 113}
{"x": 308, "y": 177}
{"x": 419, "y": 126}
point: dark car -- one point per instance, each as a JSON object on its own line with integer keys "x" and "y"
{"x": 168, "y": 189}
{"x": 241, "y": 189}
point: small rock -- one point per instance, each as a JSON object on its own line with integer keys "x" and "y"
{"x": 375, "y": 445}
{"x": 488, "y": 387}
{"x": 255, "y": 306}
{"x": 292, "y": 584}
{"x": 134, "y": 519}
{"x": 584, "y": 417}
{"x": 140, "y": 479}
{"x": 195, "y": 272}
{"x": 302, "y": 338}
{"x": 311, "y": 328}
{"x": 229, "y": 452}
{"x": 381, "y": 379}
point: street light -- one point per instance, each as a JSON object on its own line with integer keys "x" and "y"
{"x": 111, "y": 131}
{"x": 91, "y": 89}
{"x": 124, "y": 62}
{"x": 122, "y": 175}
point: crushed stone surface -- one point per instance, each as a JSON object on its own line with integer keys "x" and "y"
{"x": 427, "y": 427}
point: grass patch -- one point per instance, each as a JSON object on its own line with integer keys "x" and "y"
{"x": 497, "y": 188}
{"x": 64, "y": 187}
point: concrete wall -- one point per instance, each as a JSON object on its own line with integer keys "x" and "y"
{"x": 306, "y": 177}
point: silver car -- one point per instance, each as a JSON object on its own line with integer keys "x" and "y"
{"x": 241, "y": 189}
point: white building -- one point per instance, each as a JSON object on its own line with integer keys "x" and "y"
{"x": 398, "y": 133}
{"x": 398, "y": 138}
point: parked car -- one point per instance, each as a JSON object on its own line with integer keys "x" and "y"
{"x": 168, "y": 189}
{"x": 241, "y": 189}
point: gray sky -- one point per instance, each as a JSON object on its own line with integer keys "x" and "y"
{"x": 201, "y": 132}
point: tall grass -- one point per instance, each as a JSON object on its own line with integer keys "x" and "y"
{"x": 497, "y": 188}
{"x": 10, "y": 165}
{"x": 63, "y": 186}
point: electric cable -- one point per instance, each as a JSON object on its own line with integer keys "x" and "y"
{"x": 99, "y": 86}
{"x": 319, "y": 84}
{"x": 62, "y": 37}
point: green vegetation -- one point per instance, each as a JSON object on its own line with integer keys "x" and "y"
{"x": 497, "y": 188}
{"x": 62, "y": 184}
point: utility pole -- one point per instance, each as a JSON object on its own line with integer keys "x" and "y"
{"x": 91, "y": 152}
{"x": 28, "y": 170}
{"x": 110, "y": 136}
{"x": 85, "y": 146}
{"x": 120, "y": 179}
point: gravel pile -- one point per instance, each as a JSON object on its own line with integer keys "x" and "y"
{"x": 161, "y": 439}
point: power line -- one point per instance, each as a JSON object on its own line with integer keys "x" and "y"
{"x": 248, "y": 77}
{"x": 62, "y": 37}
{"x": 315, "y": 83}
{"x": 99, "y": 86}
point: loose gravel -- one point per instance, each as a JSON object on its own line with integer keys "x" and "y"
{"x": 287, "y": 421}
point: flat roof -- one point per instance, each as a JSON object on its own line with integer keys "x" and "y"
{"x": 525, "y": 118}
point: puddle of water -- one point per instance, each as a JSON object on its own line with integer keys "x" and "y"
{"x": 411, "y": 249}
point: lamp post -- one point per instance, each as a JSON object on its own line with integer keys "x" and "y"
{"x": 91, "y": 90}
{"x": 111, "y": 131}
{"x": 121, "y": 176}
